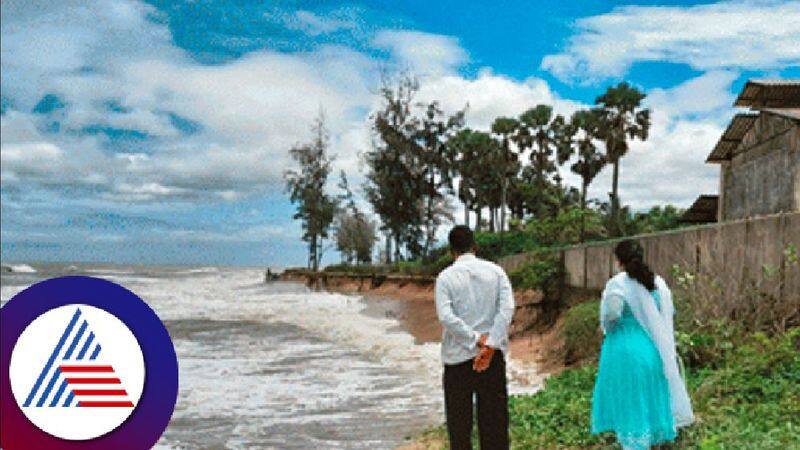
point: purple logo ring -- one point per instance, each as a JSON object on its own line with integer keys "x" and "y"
{"x": 145, "y": 425}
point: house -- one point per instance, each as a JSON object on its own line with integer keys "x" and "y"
{"x": 758, "y": 155}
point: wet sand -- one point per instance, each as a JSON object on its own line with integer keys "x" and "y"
{"x": 416, "y": 316}
{"x": 414, "y": 309}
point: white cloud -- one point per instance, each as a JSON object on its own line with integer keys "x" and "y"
{"x": 489, "y": 96}
{"x": 669, "y": 167}
{"x": 29, "y": 156}
{"x": 707, "y": 94}
{"x": 251, "y": 110}
{"x": 748, "y": 34}
{"x": 314, "y": 24}
{"x": 425, "y": 53}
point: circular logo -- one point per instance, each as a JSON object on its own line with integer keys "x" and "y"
{"x": 84, "y": 364}
{"x": 77, "y": 372}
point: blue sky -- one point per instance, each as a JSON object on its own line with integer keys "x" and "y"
{"x": 157, "y": 132}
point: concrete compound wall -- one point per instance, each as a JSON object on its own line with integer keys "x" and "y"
{"x": 730, "y": 252}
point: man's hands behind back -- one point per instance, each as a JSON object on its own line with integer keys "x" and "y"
{"x": 484, "y": 358}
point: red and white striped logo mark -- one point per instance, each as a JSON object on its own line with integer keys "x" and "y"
{"x": 95, "y": 386}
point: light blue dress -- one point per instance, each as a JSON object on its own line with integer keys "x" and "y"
{"x": 631, "y": 394}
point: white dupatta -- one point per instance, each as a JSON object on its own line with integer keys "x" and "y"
{"x": 658, "y": 323}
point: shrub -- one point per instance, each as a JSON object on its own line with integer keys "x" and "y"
{"x": 493, "y": 246}
{"x": 581, "y": 332}
{"x": 543, "y": 272}
{"x": 762, "y": 303}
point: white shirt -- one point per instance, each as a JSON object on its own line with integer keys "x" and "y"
{"x": 473, "y": 297}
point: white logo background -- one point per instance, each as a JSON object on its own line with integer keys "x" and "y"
{"x": 120, "y": 349}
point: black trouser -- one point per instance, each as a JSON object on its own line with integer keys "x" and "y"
{"x": 489, "y": 386}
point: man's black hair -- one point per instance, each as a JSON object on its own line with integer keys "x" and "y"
{"x": 461, "y": 239}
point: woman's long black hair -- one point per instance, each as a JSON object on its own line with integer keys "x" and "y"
{"x": 631, "y": 255}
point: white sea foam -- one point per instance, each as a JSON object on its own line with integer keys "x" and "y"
{"x": 342, "y": 379}
{"x": 18, "y": 268}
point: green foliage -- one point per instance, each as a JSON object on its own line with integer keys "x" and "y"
{"x": 543, "y": 272}
{"x": 475, "y": 151}
{"x": 764, "y": 303}
{"x": 355, "y": 236}
{"x": 656, "y": 219}
{"x": 416, "y": 267}
{"x": 413, "y": 267}
{"x": 365, "y": 269}
{"x": 752, "y": 401}
{"x": 565, "y": 227}
{"x": 493, "y": 246}
{"x": 581, "y": 332}
{"x": 393, "y": 182}
{"x": 705, "y": 346}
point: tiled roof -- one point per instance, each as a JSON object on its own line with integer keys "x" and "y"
{"x": 731, "y": 137}
{"x": 759, "y": 94}
{"x": 703, "y": 210}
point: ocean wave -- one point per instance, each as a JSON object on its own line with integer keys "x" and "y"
{"x": 340, "y": 318}
{"x": 209, "y": 269}
{"x": 18, "y": 268}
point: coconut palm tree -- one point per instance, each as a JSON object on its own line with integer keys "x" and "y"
{"x": 622, "y": 118}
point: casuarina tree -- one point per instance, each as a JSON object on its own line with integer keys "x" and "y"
{"x": 393, "y": 179}
{"x": 436, "y": 163}
{"x": 306, "y": 188}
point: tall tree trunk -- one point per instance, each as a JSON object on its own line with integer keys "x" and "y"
{"x": 429, "y": 217}
{"x": 313, "y": 255}
{"x": 491, "y": 219}
{"x": 466, "y": 215}
{"x": 584, "y": 188}
{"x": 478, "y": 214}
{"x": 397, "y": 248}
{"x": 615, "y": 225}
{"x": 388, "y": 248}
{"x": 319, "y": 252}
{"x": 503, "y": 205}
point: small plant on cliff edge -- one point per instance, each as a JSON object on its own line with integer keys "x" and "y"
{"x": 543, "y": 272}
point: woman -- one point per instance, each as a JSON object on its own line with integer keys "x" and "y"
{"x": 639, "y": 393}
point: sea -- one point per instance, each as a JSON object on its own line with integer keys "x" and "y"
{"x": 275, "y": 365}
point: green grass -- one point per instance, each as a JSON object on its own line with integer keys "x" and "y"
{"x": 749, "y": 399}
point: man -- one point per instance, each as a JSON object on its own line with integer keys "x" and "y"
{"x": 474, "y": 302}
